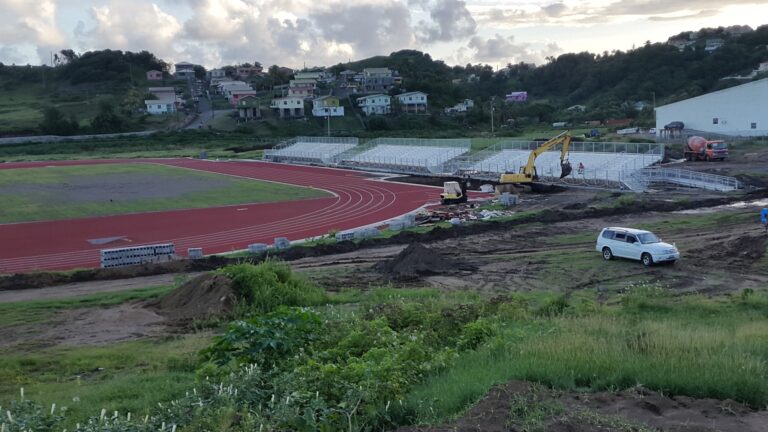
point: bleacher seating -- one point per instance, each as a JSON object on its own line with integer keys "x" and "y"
{"x": 598, "y": 166}
{"x": 306, "y": 151}
{"x": 404, "y": 157}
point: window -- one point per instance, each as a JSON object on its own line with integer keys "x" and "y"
{"x": 620, "y": 236}
{"x": 608, "y": 234}
{"x": 753, "y": 125}
{"x": 714, "y": 120}
{"x": 631, "y": 239}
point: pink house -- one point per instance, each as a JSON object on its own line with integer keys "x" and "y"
{"x": 237, "y": 95}
{"x": 515, "y": 97}
{"x": 154, "y": 75}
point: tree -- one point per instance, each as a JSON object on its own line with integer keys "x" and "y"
{"x": 54, "y": 123}
{"x": 200, "y": 72}
{"x": 106, "y": 121}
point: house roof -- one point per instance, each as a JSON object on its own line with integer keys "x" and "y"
{"x": 161, "y": 89}
{"x": 154, "y": 70}
{"x": 376, "y": 70}
{"x": 372, "y": 96}
{"x": 326, "y": 97}
{"x": 243, "y": 91}
{"x": 411, "y": 93}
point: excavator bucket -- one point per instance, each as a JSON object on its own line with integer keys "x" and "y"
{"x": 565, "y": 168}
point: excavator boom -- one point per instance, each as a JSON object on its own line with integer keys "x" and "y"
{"x": 528, "y": 174}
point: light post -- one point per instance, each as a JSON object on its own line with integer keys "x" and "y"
{"x": 493, "y": 98}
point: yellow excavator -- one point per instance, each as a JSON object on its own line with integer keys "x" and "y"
{"x": 528, "y": 173}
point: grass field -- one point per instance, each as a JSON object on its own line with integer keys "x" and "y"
{"x": 70, "y": 192}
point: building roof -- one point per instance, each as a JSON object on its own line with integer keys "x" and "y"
{"x": 326, "y": 97}
{"x": 757, "y": 83}
{"x": 376, "y": 70}
{"x": 373, "y": 96}
{"x": 161, "y": 89}
{"x": 412, "y": 93}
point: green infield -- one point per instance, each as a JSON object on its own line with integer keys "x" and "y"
{"x": 51, "y": 193}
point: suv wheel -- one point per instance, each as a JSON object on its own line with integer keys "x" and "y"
{"x": 647, "y": 259}
{"x": 607, "y": 254}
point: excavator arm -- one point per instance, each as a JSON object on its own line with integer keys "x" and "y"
{"x": 528, "y": 174}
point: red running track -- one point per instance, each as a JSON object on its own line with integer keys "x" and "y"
{"x": 357, "y": 201}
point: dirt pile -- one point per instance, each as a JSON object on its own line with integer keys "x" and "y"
{"x": 203, "y": 297}
{"x": 417, "y": 260}
{"x": 505, "y": 408}
{"x": 746, "y": 248}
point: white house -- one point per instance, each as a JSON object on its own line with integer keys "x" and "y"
{"x": 375, "y": 104}
{"x": 288, "y": 107}
{"x": 217, "y": 73}
{"x": 160, "y": 106}
{"x": 327, "y": 106}
{"x": 185, "y": 70}
{"x": 413, "y": 102}
{"x": 460, "y": 107}
{"x": 739, "y": 110}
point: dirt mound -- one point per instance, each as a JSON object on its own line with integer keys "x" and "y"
{"x": 202, "y": 297}
{"x": 417, "y": 260}
{"x": 745, "y": 248}
{"x": 505, "y": 408}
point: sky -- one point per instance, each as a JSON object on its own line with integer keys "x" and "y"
{"x": 297, "y": 33}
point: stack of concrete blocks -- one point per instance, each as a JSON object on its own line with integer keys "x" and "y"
{"x": 508, "y": 199}
{"x": 257, "y": 247}
{"x": 282, "y": 243}
{"x": 366, "y": 233}
{"x": 195, "y": 253}
{"x": 345, "y": 235}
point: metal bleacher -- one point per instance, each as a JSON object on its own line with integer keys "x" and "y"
{"x": 312, "y": 150}
{"x": 405, "y": 155}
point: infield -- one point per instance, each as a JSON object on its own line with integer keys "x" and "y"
{"x": 63, "y": 192}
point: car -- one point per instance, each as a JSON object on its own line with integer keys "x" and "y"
{"x": 635, "y": 244}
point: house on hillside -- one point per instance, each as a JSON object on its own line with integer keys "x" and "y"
{"x": 160, "y": 106}
{"x": 236, "y": 95}
{"x": 288, "y": 107}
{"x": 377, "y": 104}
{"x": 244, "y": 72}
{"x": 516, "y": 97}
{"x": 154, "y": 75}
{"x": 162, "y": 92}
{"x": 461, "y": 107}
{"x": 248, "y": 108}
{"x": 217, "y": 73}
{"x": 379, "y": 79}
{"x": 327, "y": 106}
{"x": 303, "y": 88}
{"x": 413, "y": 102}
{"x": 309, "y": 75}
{"x": 712, "y": 45}
{"x": 347, "y": 75}
{"x": 185, "y": 70}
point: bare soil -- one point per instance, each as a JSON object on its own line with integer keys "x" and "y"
{"x": 604, "y": 411}
{"x": 203, "y": 297}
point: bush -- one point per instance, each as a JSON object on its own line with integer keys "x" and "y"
{"x": 268, "y": 285}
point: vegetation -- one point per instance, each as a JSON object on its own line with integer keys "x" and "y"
{"x": 36, "y": 194}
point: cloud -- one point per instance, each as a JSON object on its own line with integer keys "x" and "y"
{"x": 450, "y": 20}
{"x": 133, "y": 26}
{"x": 22, "y": 24}
{"x": 500, "y": 49}
{"x": 701, "y": 14}
{"x": 11, "y": 55}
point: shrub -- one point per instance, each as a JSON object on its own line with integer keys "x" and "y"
{"x": 268, "y": 285}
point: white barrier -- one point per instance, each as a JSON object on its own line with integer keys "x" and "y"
{"x": 133, "y": 255}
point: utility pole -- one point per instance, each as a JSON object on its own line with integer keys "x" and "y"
{"x": 328, "y": 119}
{"x": 493, "y": 98}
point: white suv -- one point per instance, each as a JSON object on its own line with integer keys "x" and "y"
{"x": 635, "y": 244}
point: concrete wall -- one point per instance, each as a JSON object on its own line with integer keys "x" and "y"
{"x": 735, "y": 109}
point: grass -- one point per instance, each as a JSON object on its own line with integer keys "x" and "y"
{"x": 17, "y": 313}
{"x": 125, "y": 377}
{"x": 691, "y": 346}
{"x": 20, "y": 189}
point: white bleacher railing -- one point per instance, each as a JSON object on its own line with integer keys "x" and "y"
{"x": 310, "y": 149}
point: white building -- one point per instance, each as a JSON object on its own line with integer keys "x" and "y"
{"x": 375, "y": 104}
{"x": 160, "y": 106}
{"x": 413, "y": 102}
{"x": 217, "y": 73}
{"x": 740, "y": 110}
{"x": 327, "y": 106}
{"x": 288, "y": 107}
{"x": 460, "y": 107}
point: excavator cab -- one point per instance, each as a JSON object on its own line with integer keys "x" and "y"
{"x": 454, "y": 192}
{"x": 565, "y": 168}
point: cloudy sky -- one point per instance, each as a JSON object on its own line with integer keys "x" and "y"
{"x": 324, "y": 32}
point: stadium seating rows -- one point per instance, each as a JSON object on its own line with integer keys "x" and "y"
{"x": 319, "y": 152}
{"x": 408, "y": 155}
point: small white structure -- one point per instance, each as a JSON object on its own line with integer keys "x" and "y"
{"x": 288, "y": 107}
{"x": 461, "y": 107}
{"x": 217, "y": 73}
{"x": 133, "y": 255}
{"x": 739, "y": 110}
{"x": 377, "y": 104}
{"x": 327, "y": 106}
{"x": 413, "y": 102}
{"x": 160, "y": 106}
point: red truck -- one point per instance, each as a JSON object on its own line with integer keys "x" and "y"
{"x": 699, "y": 148}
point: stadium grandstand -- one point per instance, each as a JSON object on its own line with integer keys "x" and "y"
{"x": 310, "y": 150}
{"x": 405, "y": 155}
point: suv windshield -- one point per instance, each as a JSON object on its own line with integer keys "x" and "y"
{"x": 648, "y": 238}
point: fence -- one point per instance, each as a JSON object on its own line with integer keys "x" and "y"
{"x": 690, "y": 178}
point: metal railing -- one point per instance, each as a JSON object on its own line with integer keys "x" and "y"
{"x": 282, "y": 152}
{"x": 691, "y": 178}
